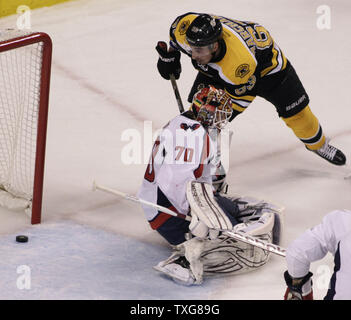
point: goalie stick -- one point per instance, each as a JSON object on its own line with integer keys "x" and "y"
{"x": 176, "y": 93}
{"x": 135, "y": 199}
{"x": 240, "y": 236}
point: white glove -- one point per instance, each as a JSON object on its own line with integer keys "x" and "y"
{"x": 198, "y": 228}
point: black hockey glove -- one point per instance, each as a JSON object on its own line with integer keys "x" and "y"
{"x": 168, "y": 62}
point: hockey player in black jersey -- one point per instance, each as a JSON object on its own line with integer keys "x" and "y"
{"x": 242, "y": 58}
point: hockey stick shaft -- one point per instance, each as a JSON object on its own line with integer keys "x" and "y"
{"x": 256, "y": 242}
{"x": 237, "y": 236}
{"x": 176, "y": 93}
{"x": 163, "y": 45}
{"x": 136, "y": 199}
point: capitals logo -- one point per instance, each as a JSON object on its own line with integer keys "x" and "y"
{"x": 185, "y": 127}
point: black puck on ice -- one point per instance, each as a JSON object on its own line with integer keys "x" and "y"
{"x": 21, "y": 238}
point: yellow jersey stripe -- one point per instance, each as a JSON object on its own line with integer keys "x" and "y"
{"x": 244, "y": 98}
{"x": 237, "y": 107}
{"x": 274, "y": 62}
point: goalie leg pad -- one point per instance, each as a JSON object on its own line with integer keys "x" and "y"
{"x": 227, "y": 256}
{"x": 277, "y": 231}
{"x": 206, "y": 257}
{"x": 205, "y": 207}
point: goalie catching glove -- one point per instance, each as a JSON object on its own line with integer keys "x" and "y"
{"x": 168, "y": 62}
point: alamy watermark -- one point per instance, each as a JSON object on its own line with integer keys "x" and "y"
{"x": 323, "y": 21}
{"x": 181, "y": 146}
{"x": 322, "y": 278}
{"x": 24, "y": 279}
{"x": 24, "y": 18}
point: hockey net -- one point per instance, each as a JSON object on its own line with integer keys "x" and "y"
{"x": 25, "y": 63}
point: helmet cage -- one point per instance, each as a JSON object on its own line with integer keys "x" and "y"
{"x": 213, "y": 107}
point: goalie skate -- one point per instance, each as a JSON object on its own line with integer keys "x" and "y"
{"x": 177, "y": 268}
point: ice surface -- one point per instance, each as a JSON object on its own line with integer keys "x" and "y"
{"x": 73, "y": 261}
{"x": 104, "y": 82}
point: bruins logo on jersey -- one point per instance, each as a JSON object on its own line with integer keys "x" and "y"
{"x": 242, "y": 70}
{"x": 184, "y": 26}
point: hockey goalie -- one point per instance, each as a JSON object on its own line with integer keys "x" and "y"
{"x": 183, "y": 175}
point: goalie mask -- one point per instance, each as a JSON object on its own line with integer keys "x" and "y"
{"x": 212, "y": 107}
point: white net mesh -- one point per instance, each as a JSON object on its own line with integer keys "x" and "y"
{"x": 20, "y": 71}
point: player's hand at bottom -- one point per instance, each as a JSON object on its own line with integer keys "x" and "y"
{"x": 298, "y": 288}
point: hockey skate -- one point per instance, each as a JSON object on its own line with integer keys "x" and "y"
{"x": 178, "y": 270}
{"x": 331, "y": 154}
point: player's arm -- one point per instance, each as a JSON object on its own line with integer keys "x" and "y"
{"x": 169, "y": 58}
{"x": 308, "y": 247}
{"x": 311, "y": 246}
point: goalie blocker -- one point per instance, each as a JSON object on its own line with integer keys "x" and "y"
{"x": 211, "y": 248}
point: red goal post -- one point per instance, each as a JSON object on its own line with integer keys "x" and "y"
{"x": 25, "y": 68}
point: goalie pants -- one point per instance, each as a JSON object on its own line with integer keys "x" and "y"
{"x": 286, "y": 92}
{"x": 174, "y": 229}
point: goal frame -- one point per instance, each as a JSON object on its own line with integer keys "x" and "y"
{"x": 43, "y": 107}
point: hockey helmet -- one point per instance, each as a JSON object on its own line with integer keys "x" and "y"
{"x": 203, "y": 31}
{"x": 212, "y": 107}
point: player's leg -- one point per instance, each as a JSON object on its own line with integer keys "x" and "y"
{"x": 173, "y": 229}
{"x": 285, "y": 90}
{"x": 307, "y": 128}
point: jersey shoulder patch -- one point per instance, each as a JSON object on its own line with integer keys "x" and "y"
{"x": 179, "y": 28}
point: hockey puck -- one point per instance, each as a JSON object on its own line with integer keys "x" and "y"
{"x": 21, "y": 238}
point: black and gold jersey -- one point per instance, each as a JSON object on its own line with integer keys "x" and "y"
{"x": 248, "y": 53}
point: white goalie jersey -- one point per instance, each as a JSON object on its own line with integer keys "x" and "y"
{"x": 183, "y": 151}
